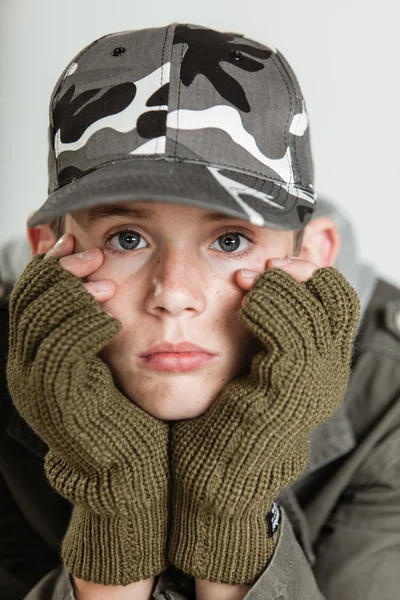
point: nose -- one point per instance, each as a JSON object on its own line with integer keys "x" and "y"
{"x": 175, "y": 285}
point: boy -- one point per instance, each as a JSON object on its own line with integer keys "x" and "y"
{"x": 173, "y": 421}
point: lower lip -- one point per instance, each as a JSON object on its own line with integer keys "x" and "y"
{"x": 177, "y": 361}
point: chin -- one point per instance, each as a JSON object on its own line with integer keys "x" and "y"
{"x": 175, "y": 398}
{"x": 176, "y": 411}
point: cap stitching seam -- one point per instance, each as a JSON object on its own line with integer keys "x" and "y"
{"x": 295, "y": 143}
{"x": 290, "y": 109}
{"x": 179, "y": 90}
{"x": 192, "y": 161}
{"x": 161, "y": 84}
{"x": 51, "y": 201}
{"x": 258, "y": 44}
{"x": 288, "y": 71}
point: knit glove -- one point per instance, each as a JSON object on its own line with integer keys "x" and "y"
{"x": 106, "y": 455}
{"x": 229, "y": 464}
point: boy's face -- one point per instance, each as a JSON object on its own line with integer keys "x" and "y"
{"x": 175, "y": 281}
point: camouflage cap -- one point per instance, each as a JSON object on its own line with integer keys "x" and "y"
{"x": 182, "y": 114}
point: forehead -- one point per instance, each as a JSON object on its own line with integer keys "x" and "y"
{"x": 148, "y": 211}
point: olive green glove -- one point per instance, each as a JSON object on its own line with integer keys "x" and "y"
{"x": 106, "y": 455}
{"x": 229, "y": 464}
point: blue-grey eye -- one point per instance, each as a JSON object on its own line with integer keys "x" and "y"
{"x": 230, "y": 242}
{"x": 127, "y": 240}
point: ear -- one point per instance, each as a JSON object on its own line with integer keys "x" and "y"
{"x": 321, "y": 242}
{"x": 40, "y": 238}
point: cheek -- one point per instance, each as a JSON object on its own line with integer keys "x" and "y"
{"x": 226, "y": 268}
{"x": 278, "y": 244}
{"x": 118, "y": 269}
{"x": 224, "y": 312}
{"x": 125, "y": 304}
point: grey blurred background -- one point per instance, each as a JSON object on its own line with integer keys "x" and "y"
{"x": 344, "y": 53}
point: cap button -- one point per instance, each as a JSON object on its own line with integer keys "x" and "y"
{"x": 118, "y": 51}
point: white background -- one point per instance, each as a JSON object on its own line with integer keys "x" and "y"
{"x": 344, "y": 53}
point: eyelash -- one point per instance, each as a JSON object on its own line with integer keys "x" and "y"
{"x": 226, "y": 231}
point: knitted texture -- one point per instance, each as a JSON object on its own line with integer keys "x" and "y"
{"x": 106, "y": 455}
{"x": 229, "y": 464}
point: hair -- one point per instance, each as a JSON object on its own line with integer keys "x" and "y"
{"x": 298, "y": 240}
{"x": 57, "y": 226}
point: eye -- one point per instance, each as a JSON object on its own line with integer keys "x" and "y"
{"x": 127, "y": 240}
{"x": 231, "y": 242}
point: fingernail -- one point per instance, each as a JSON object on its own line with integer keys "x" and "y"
{"x": 249, "y": 273}
{"x": 102, "y": 285}
{"x": 60, "y": 243}
{"x": 88, "y": 254}
{"x": 280, "y": 262}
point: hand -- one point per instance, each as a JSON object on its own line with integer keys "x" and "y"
{"x": 87, "y": 590}
{"x": 229, "y": 464}
{"x": 106, "y": 455}
{"x": 83, "y": 264}
{"x": 299, "y": 269}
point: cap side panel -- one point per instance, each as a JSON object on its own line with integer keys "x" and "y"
{"x": 252, "y": 101}
{"x": 52, "y": 163}
{"x": 290, "y": 114}
{"x": 109, "y": 93}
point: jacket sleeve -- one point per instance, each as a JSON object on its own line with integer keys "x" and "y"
{"x": 358, "y": 551}
{"x": 24, "y": 556}
{"x": 14, "y": 256}
{"x": 56, "y": 585}
{"x": 289, "y": 575}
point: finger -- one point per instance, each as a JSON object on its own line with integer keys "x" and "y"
{"x": 63, "y": 246}
{"x": 246, "y": 278}
{"x": 298, "y": 268}
{"x": 101, "y": 290}
{"x": 83, "y": 263}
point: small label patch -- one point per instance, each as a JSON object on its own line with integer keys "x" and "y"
{"x": 273, "y": 519}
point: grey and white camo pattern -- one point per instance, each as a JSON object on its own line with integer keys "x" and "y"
{"x": 182, "y": 94}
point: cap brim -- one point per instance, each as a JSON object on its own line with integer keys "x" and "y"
{"x": 262, "y": 202}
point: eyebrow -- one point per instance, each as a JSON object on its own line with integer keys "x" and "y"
{"x": 97, "y": 213}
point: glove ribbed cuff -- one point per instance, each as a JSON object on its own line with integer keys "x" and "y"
{"x": 232, "y": 549}
{"x": 116, "y": 550}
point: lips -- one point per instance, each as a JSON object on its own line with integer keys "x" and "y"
{"x": 167, "y": 347}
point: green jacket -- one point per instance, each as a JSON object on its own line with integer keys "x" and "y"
{"x": 340, "y": 530}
